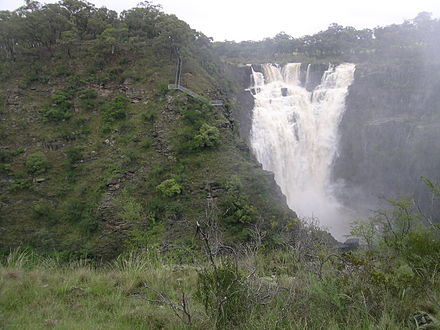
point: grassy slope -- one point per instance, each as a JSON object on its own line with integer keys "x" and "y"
{"x": 284, "y": 291}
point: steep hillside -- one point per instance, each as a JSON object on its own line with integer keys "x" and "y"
{"x": 97, "y": 155}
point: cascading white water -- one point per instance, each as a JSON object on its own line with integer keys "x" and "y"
{"x": 295, "y": 134}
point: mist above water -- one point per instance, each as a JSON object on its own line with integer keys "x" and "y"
{"x": 295, "y": 135}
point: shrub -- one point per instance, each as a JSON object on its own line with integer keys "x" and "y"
{"x": 146, "y": 143}
{"x": 75, "y": 82}
{"x": 21, "y": 184}
{"x": 80, "y": 213}
{"x": 115, "y": 110}
{"x": 131, "y": 211}
{"x": 224, "y": 293}
{"x": 59, "y": 108}
{"x": 6, "y": 156}
{"x": 150, "y": 115}
{"x": 74, "y": 154}
{"x": 37, "y": 163}
{"x": 208, "y": 137}
{"x": 238, "y": 209}
{"x": 162, "y": 88}
{"x": 44, "y": 211}
{"x": 88, "y": 99}
{"x": 169, "y": 188}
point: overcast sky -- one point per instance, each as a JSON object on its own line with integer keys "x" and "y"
{"x": 254, "y": 20}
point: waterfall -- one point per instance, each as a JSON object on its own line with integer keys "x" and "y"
{"x": 307, "y": 76}
{"x": 295, "y": 135}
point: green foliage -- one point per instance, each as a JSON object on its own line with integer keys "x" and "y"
{"x": 239, "y": 211}
{"x": 422, "y": 249}
{"x": 80, "y": 213}
{"x": 115, "y": 110}
{"x": 112, "y": 37}
{"x": 88, "y": 99}
{"x": 74, "y": 82}
{"x": 169, "y": 188}
{"x": 163, "y": 88}
{"x": 7, "y": 156}
{"x": 45, "y": 211}
{"x": 224, "y": 293}
{"x": 151, "y": 234}
{"x": 21, "y": 183}
{"x": 146, "y": 143}
{"x": 74, "y": 154}
{"x": 60, "y": 108}
{"x": 37, "y": 163}
{"x": 131, "y": 210}
{"x": 397, "y": 223}
{"x": 368, "y": 231}
{"x": 208, "y": 137}
{"x": 150, "y": 115}
{"x": 2, "y": 102}
{"x": 435, "y": 189}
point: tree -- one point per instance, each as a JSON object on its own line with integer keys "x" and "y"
{"x": 112, "y": 37}
{"x": 141, "y": 21}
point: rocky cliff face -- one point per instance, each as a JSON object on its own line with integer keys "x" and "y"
{"x": 390, "y": 132}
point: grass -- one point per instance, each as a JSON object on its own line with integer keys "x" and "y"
{"x": 43, "y": 294}
{"x": 305, "y": 287}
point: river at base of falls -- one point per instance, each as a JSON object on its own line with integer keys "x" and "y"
{"x": 295, "y": 135}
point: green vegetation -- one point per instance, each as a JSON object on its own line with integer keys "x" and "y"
{"x": 37, "y": 163}
{"x": 59, "y": 109}
{"x": 208, "y": 137}
{"x": 169, "y": 188}
{"x": 98, "y": 134}
{"x": 391, "y": 284}
{"x": 412, "y": 39}
{"x": 115, "y": 110}
{"x": 130, "y": 166}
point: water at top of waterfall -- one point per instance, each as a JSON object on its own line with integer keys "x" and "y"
{"x": 295, "y": 135}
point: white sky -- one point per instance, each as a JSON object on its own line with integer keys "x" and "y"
{"x": 254, "y": 20}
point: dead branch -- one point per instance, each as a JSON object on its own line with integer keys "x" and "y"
{"x": 182, "y": 311}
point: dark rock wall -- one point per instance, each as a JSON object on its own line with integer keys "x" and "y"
{"x": 390, "y": 133}
{"x": 244, "y": 100}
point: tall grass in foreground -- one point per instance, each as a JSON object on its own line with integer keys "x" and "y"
{"x": 393, "y": 283}
{"x": 143, "y": 291}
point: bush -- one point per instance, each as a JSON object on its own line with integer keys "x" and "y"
{"x": 208, "y": 137}
{"x": 74, "y": 154}
{"x": 60, "y": 107}
{"x": 88, "y": 99}
{"x": 44, "y": 211}
{"x": 37, "y": 163}
{"x": 80, "y": 213}
{"x": 224, "y": 293}
{"x": 150, "y": 115}
{"x": 75, "y": 82}
{"x": 238, "y": 209}
{"x": 169, "y": 188}
{"x": 115, "y": 110}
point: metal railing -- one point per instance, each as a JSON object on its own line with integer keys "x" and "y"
{"x": 195, "y": 95}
